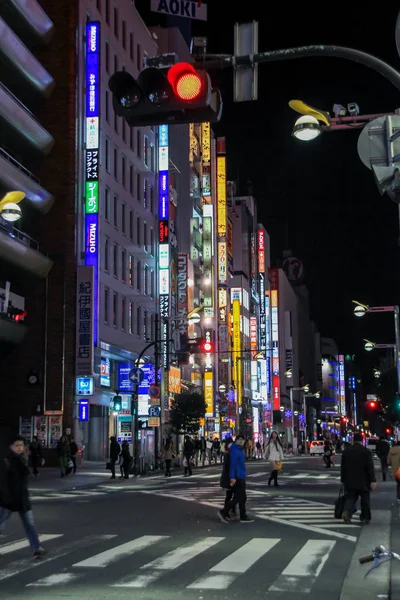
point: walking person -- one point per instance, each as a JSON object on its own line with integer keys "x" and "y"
{"x": 274, "y": 453}
{"x": 393, "y": 459}
{"x": 357, "y": 473}
{"x": 188, "y": 449}
{"x": 35, "y": 449}
{"x": 382, "y": 451}
{"x": 225, "y": 482}
{"x": 126, "y": 459}
{"x": 115, "y": 451}
{"x": 237, "y": 476}
{"x": 14, "y": 493}
{"x": 203, "y": 449}
{"x": 328, "y": 453}
{"x": 64, "y": 455}
{"x": 73, "y": 446}
{"x": 169, "y": 454}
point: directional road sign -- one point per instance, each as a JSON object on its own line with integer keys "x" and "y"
{"x": 136, "y": 375}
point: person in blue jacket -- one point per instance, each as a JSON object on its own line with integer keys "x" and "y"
{"x": 237, "y": 474}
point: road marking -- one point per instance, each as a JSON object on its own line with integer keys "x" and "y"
{"x": 260, "y": 474}
{"x": 343, "y": 536}
{"x": 174, "y": 559}
{"x": 303, "y": 570}
{"x": 55, "y": 579}
{"x": 19, "y": 566}
{"x": 13, "y": 546}
{"x": 109, "y": 556}
{"x": 222, "y": 575}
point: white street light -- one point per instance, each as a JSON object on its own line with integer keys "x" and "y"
{"x": 307, "y": 128}
{"x": 9, "y": 209}
{"x": 289, "y": 373}
{"x": 360, "y": 310}
{"x": 368, "y": 346}
{"x": 377, "y": 373}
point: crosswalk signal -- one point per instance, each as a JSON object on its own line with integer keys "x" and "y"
{"x": 207, "y": 346}
{"x": 117, "y": 404}
{"x": 174, "y": 95}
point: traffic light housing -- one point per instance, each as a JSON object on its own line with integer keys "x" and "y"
{"x": 161, "y": 96}
{"x": 372, "y": 404}
{"x": 117, "y": 403}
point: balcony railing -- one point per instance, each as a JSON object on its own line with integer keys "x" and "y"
{"x": 18, "y": 165}
{"x": 22, "y": 237}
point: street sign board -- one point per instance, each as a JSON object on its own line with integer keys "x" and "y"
{"x": 136, "y": 375}
{"x": 153, "y": 422}
{"x": 154, "y": 391}
{"x": 181, "y": 8}
{"x": 154, "y": 411}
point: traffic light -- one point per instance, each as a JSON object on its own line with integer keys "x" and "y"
{"x": 372, "y": 404}
{"x": 207, "y": 346}
{"x": 117, "y": 403}
{"x": 173, "y": 95}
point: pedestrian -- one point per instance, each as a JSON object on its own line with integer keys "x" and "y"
{"x": 237, "y": 476}
{"x": 126, "y": 459}
{"x": 393, "y": 459}
{"x": 274, "y": 453}
{"x": 225, "y": 481}
{"x": 64, "y": 455}
{"x": 328, "y": 453}
{"x": 115, "y": 450}
{"x": 169, "y": 454}
{"x": 203, "y": 449}
{"x": 188, "y": 449}
{"x": 258, "y": 449}
{"x": 74, "y": 451}
{"x": 382, "y": 451}
{"x": 216, "y": 448}
{"x": 357, "y": 474}
{"x": 197, "y": 450}
{"x": 14, "y": 493}
{"x": 35, "y": 449}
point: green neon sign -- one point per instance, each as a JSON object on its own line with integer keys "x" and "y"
{"x": 92, "y": 197}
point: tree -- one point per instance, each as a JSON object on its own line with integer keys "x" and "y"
{"x": 186, "y": 412}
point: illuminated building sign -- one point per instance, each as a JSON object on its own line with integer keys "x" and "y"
{"x": 237, "y": 351}
{"x": 84, "y": 410}
{"x": 206, "y": 142}
{"x": 85, "y": 310}
{"x": 261, "y": 250}
{"x": 342, "y": 389}
{"x": 276, "y": 394}
{"x": 253, "y": 336}
{"x": 222, "y": 262}
{"x": 209, "y": 393}
{"x": 221, "y": 195}
{"x": 163, "y": 215}
{"x": 92, "y": 67}
{"x": 105, "y": 372}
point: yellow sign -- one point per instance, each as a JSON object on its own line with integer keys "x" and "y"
{"x": 274, "y": 297}
{"x": 237, "y": 351}
{"x": 222, "y": 298}
{"x": 209, "y": 393}
{"x": 222, "y": 260}
{"x": 174, "y": 380}
{"x": 206, "y": 142}
{"x": 221, "y": 194}
{"x": 153, "y": 422}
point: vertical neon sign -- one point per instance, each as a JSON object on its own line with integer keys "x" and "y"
{"x": 342, "y": 388}
{"x": 92, "y": 146}
{"x": 163, "y": 215}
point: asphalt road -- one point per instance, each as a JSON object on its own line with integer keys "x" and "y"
{"x": 157, "y": 536}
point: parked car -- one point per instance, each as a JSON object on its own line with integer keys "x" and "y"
{"x": 371, "y": 444}
{"x": 317, "y": 447}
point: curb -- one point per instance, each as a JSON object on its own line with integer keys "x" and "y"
{"x": 377, "y": 584}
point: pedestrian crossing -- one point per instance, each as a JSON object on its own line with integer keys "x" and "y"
{"x": 200, "y": 563}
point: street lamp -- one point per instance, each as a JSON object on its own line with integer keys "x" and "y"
{"x": 377, "y": 373}
{"x": 307, "y": 128}
{"x": 363, "y": 309}
{"x": 9, "y": 209}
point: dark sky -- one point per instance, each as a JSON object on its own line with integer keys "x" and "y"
{"x": 318, "y": 195}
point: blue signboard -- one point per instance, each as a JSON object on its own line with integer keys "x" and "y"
{"x": 84, "y": 410}
{"x": 84, "y": 386}
{"x": 149, "y": 378}
{"x": 124, "y": 383}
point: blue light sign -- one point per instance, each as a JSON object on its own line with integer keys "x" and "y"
{"x": 124, "y": 383}
{"x": 84, "y": 386}
{"x": 84, "y": 410}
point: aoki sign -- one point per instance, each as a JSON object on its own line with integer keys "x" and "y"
{"x": 92, "y": 161}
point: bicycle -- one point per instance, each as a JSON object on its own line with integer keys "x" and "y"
{"x": 378, "y": 554}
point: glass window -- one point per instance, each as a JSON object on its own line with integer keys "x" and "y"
{"x": 146, "y": 280}
{"x": 138, "y": 231}
{"x": 106, "y": 254}
{"x": 123, "y": 217}
{"x": 138, "y": 320}
{"x": 152, "y": 199}
{"x": 145, "y": 236}
{"x": 138, "y": 275}
{"x": 138, "y": 190}
{"x": 124, "y": 130}
{"x": 131, "y": 266}
{"x": 124, "y": 35}
{"x": 106, "y": 204}
{"x": 106, "y": 102}
{"x": 106, "y": 304}
{"x": 115, "y": 260}
{"x": 115, "y": 122}
{"x": 131, "y": 179}
{"x": 145, "y": 325}
{"x": 115, "y": 21}
{"x": 115, "y": 162}
{"x": 139, "y": 143}
{"x": 145, "y": 190}
{"x": 146, "y": 150}
{"x": 131, "y": 224}
{"x": 152, "y": 284}
{"x": 107, "y": 11}
{"x": 131, "y": 46}
{"x": 131, "y": 138}
{"x": 123, "y": 167}
{"x": 139, "y": 57}
{"x": 115, "y": 211}
{"x": 115, "y": 309}
{"x": 115, "y": 63}
{"x": 152, "y": 242}
{"x": 123, "y": 313}
{"x": 123, "y": 265}
{"x": 98, "y": 5}
{"x": 130, "y": 318}
{"x": 152, "y": 158}
{"x": 107, "y": 154}
{"x": 107, "y": 57}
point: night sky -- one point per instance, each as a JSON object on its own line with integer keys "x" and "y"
{"x": 318, "y": 199}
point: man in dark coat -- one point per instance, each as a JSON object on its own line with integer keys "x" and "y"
{"x": 382, "y": 451}
{"x": 225, "y": 481}
{"x": 14, "y": 494}
{"x": 358, "y": 477}
{"x": 115, "y": 450}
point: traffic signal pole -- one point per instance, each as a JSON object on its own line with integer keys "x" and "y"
{"x": 369, "y": 60}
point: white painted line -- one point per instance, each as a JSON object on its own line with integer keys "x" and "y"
{"x": 343, "y": 536}
{"x": 13, "y": 546}
{"x": 109, "y": 556}
{"x": 19, "y": 566}
{"x": 56, "y": 579}
{"x": 174, "y": 559}
{"x": 54, "y": 495}
{"x": 225, "y": 572}
{"x": 260, "y": 474}
{"x": 322, "y": 520}
{"x": 303, "y": 570}
{"x": 340, "y": 525}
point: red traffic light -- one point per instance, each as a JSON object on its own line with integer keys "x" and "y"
{"x": 185, "y": 81}
{"x": 207, "y": 346}
{"x": 388, "y": 430}
{"x": 372, "y": 404}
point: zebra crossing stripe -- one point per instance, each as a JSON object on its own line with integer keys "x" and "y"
{"x": 109, "y": 556}
{"x": 303, "y": 570}
{"x": 174, "y": 559}
{"x": 19, "y": 566}
{"x": 13, "y": 546}
{"x": 222, "y": 575}
{"x": 55, "y": 579}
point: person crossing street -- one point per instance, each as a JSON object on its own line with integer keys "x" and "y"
{"x": 237, "y": 476}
